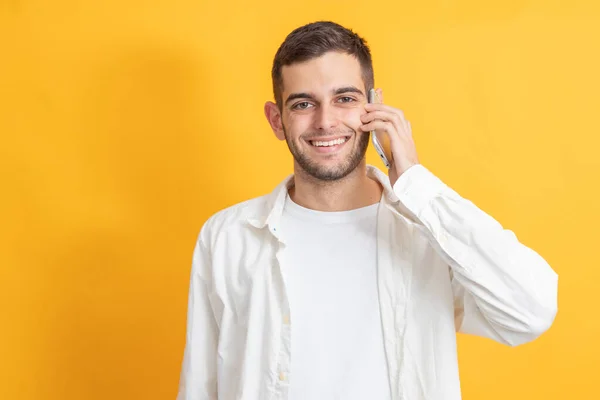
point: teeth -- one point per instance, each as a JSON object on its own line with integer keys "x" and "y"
{"x": 330, "y": 143}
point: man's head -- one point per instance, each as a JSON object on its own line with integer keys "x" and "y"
{"x": 321, "y": 74}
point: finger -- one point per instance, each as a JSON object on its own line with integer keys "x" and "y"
{"x": 398, "y": 116}
{"x": 384, "y": 116}
{"x": 379, "y": 125}
{"x": 380, "y": 114}
{"x": 385, "y": 126}
{"x": 383, "y": 107}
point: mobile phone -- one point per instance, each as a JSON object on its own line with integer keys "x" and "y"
{"x": 381, "y": 140}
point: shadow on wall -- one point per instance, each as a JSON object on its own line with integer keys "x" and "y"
{"x": 124, "y": 270}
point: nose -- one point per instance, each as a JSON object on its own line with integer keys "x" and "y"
{"x": 326, "y": 118}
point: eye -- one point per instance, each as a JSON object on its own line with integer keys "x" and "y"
{"x": 302, "y": 105}
{"x": 346, "y": 99}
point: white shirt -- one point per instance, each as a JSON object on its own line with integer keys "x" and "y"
{"x": 330, "y": 272}
{"x": 443, "y": 265}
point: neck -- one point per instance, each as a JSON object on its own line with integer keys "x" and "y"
{"x": 354, "y": 191}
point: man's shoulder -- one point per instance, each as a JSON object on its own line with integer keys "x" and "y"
{"x": 234, "y": 217}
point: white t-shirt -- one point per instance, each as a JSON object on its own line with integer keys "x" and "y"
{"x": 330, "y": 269}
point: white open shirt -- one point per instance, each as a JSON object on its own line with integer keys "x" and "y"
{"x": 443, "y": 266}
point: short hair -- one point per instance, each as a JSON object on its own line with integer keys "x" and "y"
{"x": 314, "y": 40}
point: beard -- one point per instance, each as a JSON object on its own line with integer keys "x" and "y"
{"x": 333, "y": 173}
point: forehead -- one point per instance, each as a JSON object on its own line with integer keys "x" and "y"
{"x": 322, "y": 74}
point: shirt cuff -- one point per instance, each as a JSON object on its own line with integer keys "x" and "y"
{"x": 416, "y": 187}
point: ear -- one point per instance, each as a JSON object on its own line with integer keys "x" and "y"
{"x": 274, "y": 117}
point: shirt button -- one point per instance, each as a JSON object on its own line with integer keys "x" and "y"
{"x": 281, "y": 376}
{"x": 286, "y": 319}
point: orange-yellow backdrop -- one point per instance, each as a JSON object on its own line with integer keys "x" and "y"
{"x": 125, "y": 124}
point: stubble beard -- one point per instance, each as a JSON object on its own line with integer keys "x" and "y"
{"x": 328, "y": 174}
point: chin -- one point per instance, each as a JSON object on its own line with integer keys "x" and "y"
{"x": 329, "y": 172}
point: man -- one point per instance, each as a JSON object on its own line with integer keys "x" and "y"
{"x": 344, "y": 283}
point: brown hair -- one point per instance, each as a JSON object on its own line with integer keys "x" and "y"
{"x": 312, "y": 41}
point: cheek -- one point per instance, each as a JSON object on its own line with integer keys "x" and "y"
{"x": 351, "y": 118}
{"x": 297, "y": 124}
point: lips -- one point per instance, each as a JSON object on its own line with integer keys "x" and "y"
{"x": 328, "y": 144}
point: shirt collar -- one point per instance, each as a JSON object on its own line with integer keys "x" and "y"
{"x": 271, "y": 214}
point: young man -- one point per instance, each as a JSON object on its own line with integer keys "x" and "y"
{"x": 344, "y": 283}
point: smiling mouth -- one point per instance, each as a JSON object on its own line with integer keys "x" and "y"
{"x": 329, "y": 143}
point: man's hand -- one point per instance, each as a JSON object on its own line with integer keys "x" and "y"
{"x": 381, "y": 117}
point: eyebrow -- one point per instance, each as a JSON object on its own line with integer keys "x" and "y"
{"x": 338, "y": 91}
{"x": 348, "y": 89}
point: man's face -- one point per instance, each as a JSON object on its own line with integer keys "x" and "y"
{"x": 323, "y": 100}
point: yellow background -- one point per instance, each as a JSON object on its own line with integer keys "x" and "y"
{"x": 126, "y": 124}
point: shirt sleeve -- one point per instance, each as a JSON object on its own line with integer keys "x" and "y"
{"x": 198, "y": 378}
{"x": 502, "y": 289}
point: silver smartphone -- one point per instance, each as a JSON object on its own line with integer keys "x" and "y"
{"x": 381, "y": 141}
